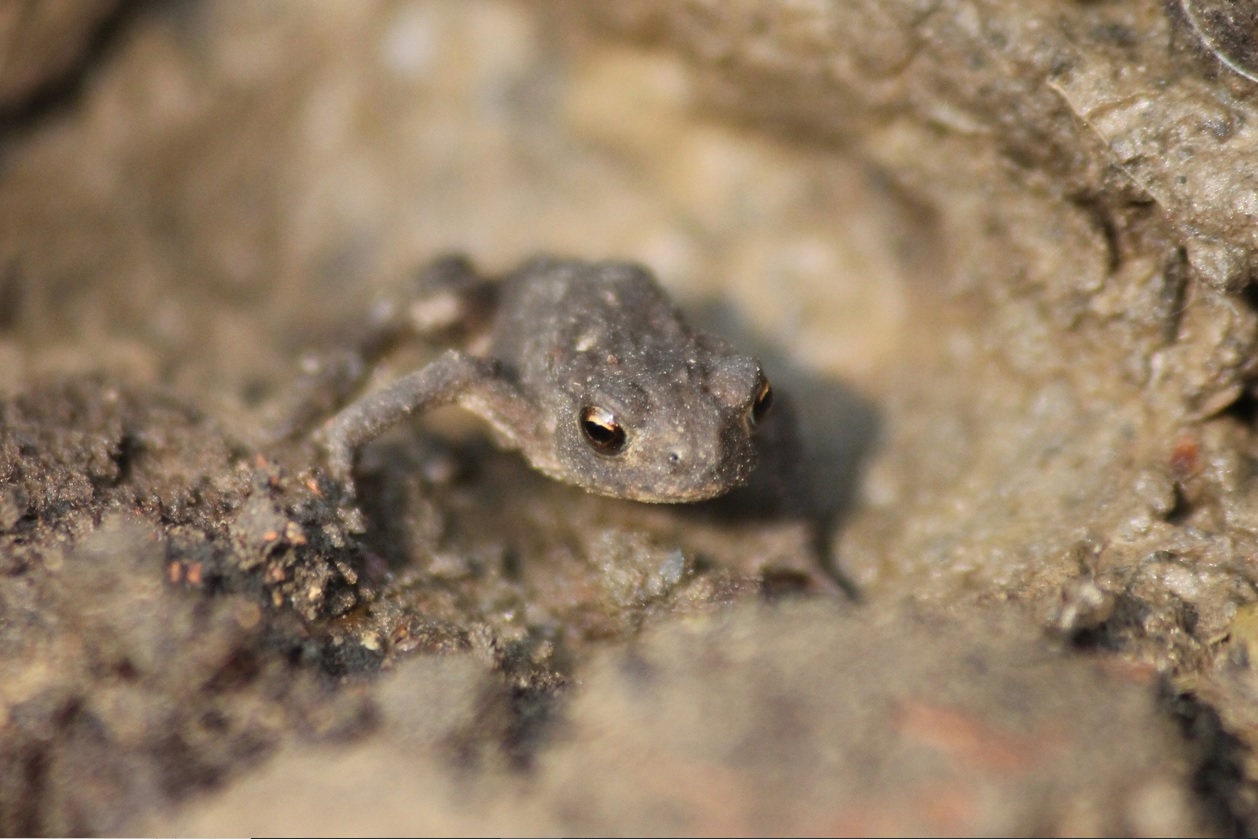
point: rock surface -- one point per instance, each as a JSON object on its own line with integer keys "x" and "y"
{"x": 1001, "y": 255}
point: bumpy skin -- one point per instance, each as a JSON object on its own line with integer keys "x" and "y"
{"x": 570, "y": 341}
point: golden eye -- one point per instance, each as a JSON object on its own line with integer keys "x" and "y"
{"x": 764, "y": 401}
{"x": 602, "y": 431}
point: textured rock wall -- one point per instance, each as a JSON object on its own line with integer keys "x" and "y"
{"x": 1000, "y": 255}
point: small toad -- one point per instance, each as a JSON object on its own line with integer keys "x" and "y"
{"x": 585, "y": 367}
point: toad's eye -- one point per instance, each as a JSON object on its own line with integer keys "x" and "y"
{"x": 764, "y": 401}
{"x": 602, "y": 431}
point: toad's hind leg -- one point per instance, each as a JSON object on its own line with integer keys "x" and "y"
{"x": 448, "y": 301}
{"x": 445, "y": 303}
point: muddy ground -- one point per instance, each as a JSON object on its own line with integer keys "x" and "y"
{"x": 1000, "y": 254}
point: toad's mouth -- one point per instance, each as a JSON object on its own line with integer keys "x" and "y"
{"x": 709, "y": 484}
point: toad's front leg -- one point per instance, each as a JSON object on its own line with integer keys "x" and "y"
{"x": 452, "y": 377}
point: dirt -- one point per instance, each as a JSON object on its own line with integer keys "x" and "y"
{"x": 999, "y": 254}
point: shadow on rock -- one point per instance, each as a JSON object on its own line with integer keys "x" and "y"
{"x": 815, "y": 443}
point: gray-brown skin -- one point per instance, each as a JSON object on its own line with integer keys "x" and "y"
{"x": 588, "y": 370}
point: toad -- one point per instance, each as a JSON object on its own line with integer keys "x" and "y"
{"x": 586, "y": 368}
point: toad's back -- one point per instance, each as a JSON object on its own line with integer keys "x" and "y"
{"x": 632, "y": 400}
{"x": 566, "y": 320}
